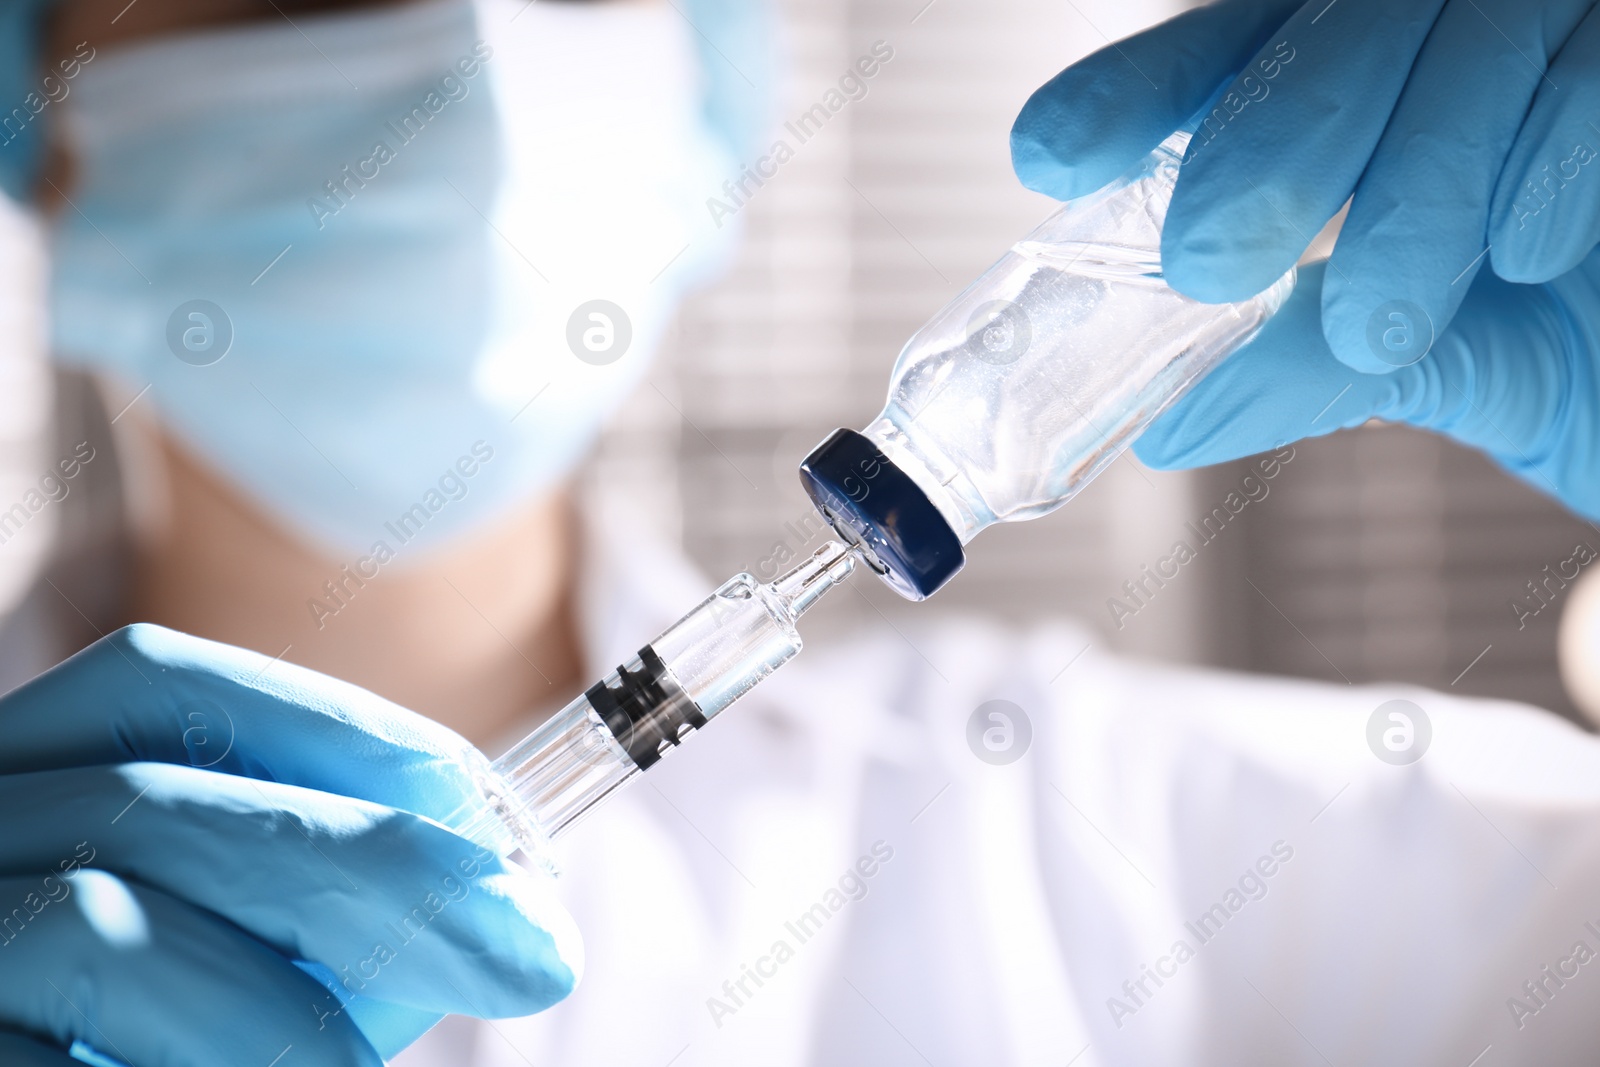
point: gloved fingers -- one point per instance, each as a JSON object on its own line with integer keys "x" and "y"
{"x": 396, "y": 907}
{"x": 156, "y": 982}
{"x": 1283, "y": 386}
{"x": 1271, "y": 163}
{"x": 1546, "y": 214}
{"x": 1092, "y": 122}
{"x": 19, "y": 1050}
{"x": 149, "y": 693}
{"x": 1513, "y": 376}
{"x": 1417, "y": 229}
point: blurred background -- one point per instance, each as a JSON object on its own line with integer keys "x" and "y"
{"x": 1378, "y": 554}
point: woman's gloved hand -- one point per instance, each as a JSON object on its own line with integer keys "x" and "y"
{"x": 180, "y": 821}
{"x": 1466, "y": 131}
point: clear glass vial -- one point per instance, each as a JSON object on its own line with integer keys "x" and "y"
{"x": 1028, "y": 384}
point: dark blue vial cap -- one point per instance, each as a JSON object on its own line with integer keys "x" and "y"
{"x": 876, "y": 506}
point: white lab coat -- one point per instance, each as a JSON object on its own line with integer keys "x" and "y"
{"x": 1393, "y": 915}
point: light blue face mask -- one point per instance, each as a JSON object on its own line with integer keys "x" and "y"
{"x": 388, "y": 272}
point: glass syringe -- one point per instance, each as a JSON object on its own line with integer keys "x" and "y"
{"x": 638, "y": 713}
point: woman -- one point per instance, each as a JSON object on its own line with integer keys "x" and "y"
{"x": 1143, "y": 865}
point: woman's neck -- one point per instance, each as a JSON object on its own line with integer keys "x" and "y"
{"x": 476, "y": 635}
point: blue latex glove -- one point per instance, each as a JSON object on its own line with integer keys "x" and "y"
{"x": 1434, "y": 115}
{"x": 1517, "y": 375}
{"x": 182, "y": 820}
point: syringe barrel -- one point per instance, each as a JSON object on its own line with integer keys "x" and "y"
{"x": 702, "y": 663}
{"x": 639, "y": 712}
{"x": 730, "y": 643}
{"x": 544, "y": 783}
